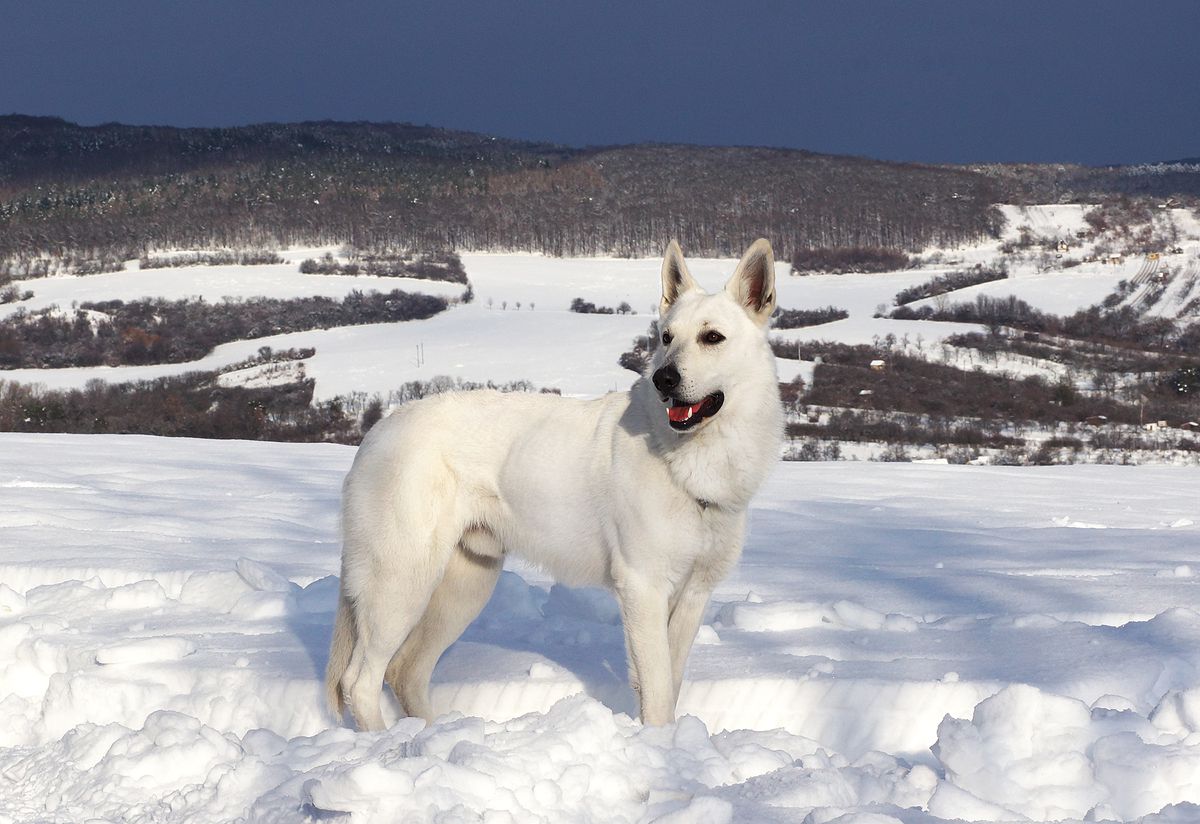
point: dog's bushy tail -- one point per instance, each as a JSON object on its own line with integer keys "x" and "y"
{"x": 340, "y": 648}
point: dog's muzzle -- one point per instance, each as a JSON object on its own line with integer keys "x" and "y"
{"x": 683, "y": 415}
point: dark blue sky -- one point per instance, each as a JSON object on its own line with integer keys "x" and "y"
{"x": 950, "y": 81}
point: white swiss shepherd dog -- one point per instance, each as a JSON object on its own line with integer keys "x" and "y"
{"x": 644, "y": 492}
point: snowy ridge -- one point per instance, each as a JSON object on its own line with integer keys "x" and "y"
{"x": 889, "y": 648}
{"x": 519, "y": 316}
{"x": 519, "y": 319}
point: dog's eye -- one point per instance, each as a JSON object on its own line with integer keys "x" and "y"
{"x": 712, "y": 337}
{"x": 666, "y": 338}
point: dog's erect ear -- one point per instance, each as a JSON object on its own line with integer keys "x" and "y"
{"x": 753, "y": 282}
{"x": 676, "y": 279}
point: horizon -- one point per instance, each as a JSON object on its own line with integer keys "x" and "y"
{"x": 1090, "y": 83}
{"x": 579, "y": 147}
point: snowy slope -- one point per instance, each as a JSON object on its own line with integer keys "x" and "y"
{"x": 1050, "y": 221}
{"x": 519, "y": 324}
{"x": 900, "y": 642}
{"x": 1058, "y": 292}
{"x": 213, "y": 284}
{"x": 493, "y": 339}
{"x": 519, "y": 321}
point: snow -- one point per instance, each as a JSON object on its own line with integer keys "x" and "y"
{"x": 1051, "y": 221}
{"x": 520, "y": 319}
{"x": 1058, "y": 292}
{"x": 213, "y": 283}
{"x": 491, "y": 338}
{"x": 911, "y": 643}
{"x": 900, "y": 642}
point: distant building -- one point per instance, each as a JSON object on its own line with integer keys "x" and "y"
{"x": 877, "y": 365}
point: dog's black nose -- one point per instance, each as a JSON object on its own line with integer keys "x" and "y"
{"x": 666, "y": 378}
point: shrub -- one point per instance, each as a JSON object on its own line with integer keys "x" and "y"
{"x": 192, "y": 405}
{"x": 1185, "y": 380}
{"x": 196, "y": 405}
{"x": 586, "y": 307}
{"x": 949, "y": 282}
{"x": 913, "y": 385}
{"x": 372, "y": 414}
{"x": 11, "y": 294}
{"x": 848, "y": 259}
{"x": 635, "y": 360}
{"x": 445, "y": 266}
{"x": 895, "y": 453}
{"x": 159, "y": 331}
{"x": 226, "y": 257}
{"x": 798, "y": 318}
{"x": 788, "y": 349}
{"x": 1009, "y": 311}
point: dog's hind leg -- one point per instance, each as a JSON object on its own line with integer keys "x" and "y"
{"x": 465, "y": 588}
{"x": 381, "y": 628}
{"x": 341, "y": 647}
{"x": 388, "y": 605}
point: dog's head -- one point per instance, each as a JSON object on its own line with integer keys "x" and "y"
{"x": 709, "y": 342}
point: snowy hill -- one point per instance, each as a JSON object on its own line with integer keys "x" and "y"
{"x": 901, "y": 642}
{"x": 914, "y": 643}
{"x": 518, "y": 327}
{"x": 512, "y": 326}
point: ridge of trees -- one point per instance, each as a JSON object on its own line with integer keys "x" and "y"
{"x": 948, "y": 282}
{"x": 115, "y": 333}
{"x": 122, "y": 191}
{"x": 800, "y": 318}
{"x": 199, "y": 405}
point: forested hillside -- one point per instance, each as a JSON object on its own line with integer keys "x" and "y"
{"x": 101, "y": 193}
{"x": 118, "y": 191}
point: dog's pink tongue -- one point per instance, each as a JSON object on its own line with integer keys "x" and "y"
{"x": 682, "y": 413}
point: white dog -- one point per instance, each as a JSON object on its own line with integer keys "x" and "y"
{"x": 643, "y": 491}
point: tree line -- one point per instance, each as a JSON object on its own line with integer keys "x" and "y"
{"x": 115, "y": 333}
{"x": 117, "y": 192}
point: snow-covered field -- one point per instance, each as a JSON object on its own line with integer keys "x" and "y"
{"x": 901, "y": 642}
{"x": 519, "y": 321}
{"x": 213, "y": 284}
{"x": 492, "y": 338}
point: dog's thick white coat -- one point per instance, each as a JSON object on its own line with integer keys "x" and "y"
{"x": 600, "y": 492}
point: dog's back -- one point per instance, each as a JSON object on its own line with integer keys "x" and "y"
{"x": 530, "y": 470}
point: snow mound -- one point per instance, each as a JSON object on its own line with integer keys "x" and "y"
{"x": 1031, "y": 754}
{"x": 898, "y": 643}
{"x": 146, "y": 651}
{"x": 784, "y": 616}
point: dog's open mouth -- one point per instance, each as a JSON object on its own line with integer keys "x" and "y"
{"x": 684, "y": 415}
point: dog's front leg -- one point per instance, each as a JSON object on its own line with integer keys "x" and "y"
{"x": 644, "y": 613}
{"x": 683, "y": 624}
